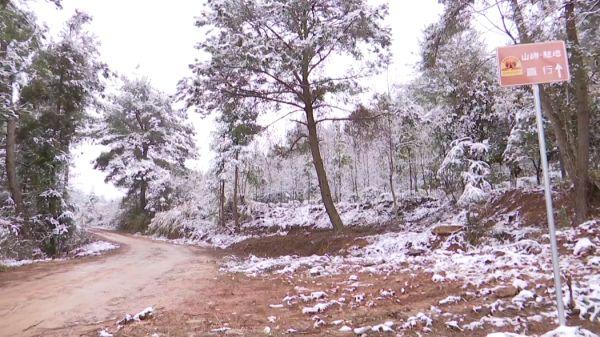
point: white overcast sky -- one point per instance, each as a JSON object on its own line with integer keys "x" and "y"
{"x": 156, "y": 39}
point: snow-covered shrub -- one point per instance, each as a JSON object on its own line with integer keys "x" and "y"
{"x": 147, "y": 144}
{"x": 54, "y": 225}
{"x": 193, "y": 219}
{"x": 189, "y": 220}
{"x": 465, "y": 167}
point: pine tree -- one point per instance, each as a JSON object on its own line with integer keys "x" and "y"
{"x": 64, "y": 78}
{"x": 19, "y": 39}
{"x": 274, "y": 53}
{"x": 148, "y": 143}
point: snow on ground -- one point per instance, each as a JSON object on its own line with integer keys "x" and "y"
{"x": 583, "y": 246}
{"x": 297, "y": 214}
{"x": 140, "y": 316}
{"x": 397, "y": 251}
{"x": 512, "y": 275}
{"x": 19, "y": 263}
{"x": 90, "y": 249}
{"x": 414, "y": 252}
{"x": 452, "y": 259}
{"x": 104, "y": 333}
{"x": 190, "y": 224}
{"x": 93, "y": 248}
{"x": 562, "y": 331}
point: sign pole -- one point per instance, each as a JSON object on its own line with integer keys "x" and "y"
{"x": 550, "y": 212}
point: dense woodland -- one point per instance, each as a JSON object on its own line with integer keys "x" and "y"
{"x": 451, "y": 132}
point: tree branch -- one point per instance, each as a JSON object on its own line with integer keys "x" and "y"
{"x": 506, "y": 30}
{"x": 295, "y": 142}
{"x": 299, "y": 122}
{"x": 352, "y": 119}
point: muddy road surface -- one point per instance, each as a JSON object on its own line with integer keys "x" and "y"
{"x": 72, "y": 298}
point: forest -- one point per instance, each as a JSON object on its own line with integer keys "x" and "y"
{"x": 302, "y": 139}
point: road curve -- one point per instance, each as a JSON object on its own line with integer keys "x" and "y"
{"x": 71, "y": 297}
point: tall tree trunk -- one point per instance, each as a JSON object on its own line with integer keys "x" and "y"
{"x": 368, "y": 171}
{"x": 236, "y": 216}
{"x": 338, "y": 178}
{"x": 423, "y": 173}
{"x": 537, "y": 165}
{"x": 410, "y": 173}
{"x": 11, "y": 164}
{"x": 65, "y": 185}
{"x": 391, "y": 167}
{"x": 11, "y": 139}
{"x": 355, "y": 171}
{"x": 309, "y": 181}
{"x": 222, "y": 203}
{"x": 580, "y": 85}
{"x": 144, "y": 185}
{"x": 143, "y": 201}
{"x": 243, "y": 187}
{"x": 313, "y": 140}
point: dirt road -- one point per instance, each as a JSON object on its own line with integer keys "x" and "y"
{"x": 72, "y": 297}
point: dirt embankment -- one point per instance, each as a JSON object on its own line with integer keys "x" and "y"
{"x": 531, "y": 207}
{"x": 306, "y": 242}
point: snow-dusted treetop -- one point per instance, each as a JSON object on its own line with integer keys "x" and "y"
{"x": 274, "y": 50}
{"x": 147, "y": 139}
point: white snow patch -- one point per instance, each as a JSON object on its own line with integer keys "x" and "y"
{"x": 345, "y": 328}
{"x": 362, "y": 330}
{"x": 94, "y": 248}
{"x": 220, "y": 330}
{"x": 16, "y": 263}
{"x": 453, "y": 325}
{"x": 412, "y": 321}
{"x": 522, "y": 298}
{"x": 385, "y": 327}
{"x": 450, "y": 300}
{"x": 563, "y": 331}
{"x": 104, "y": 333}
{"x": 144, "y": 314}
{"x": 318, "y": 308}
{"x": 569, "y": 331}
{"x": 583, "y": 246}
{"x": 519, "y": 284}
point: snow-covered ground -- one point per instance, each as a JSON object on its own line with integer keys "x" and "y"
{"x": 508, "y": 270}
{"x": 190, "y": 224}
{"x": 19, "y": 263}
{"x": 562, "y": 331}
{"x": 93, "y": 248}
{"x": 90, "y": 249}
{"x": 282, "y": 216}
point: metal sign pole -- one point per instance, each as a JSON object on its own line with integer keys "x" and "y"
{"x": 550, "y": 212}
